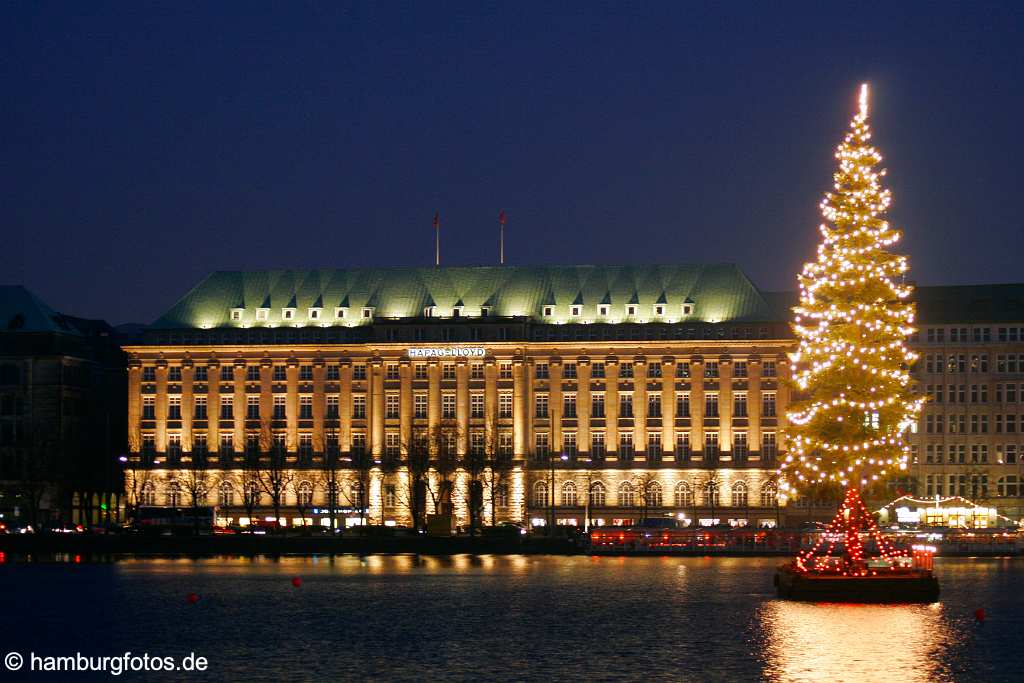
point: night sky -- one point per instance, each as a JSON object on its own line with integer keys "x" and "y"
{"x": 147, "y": 144}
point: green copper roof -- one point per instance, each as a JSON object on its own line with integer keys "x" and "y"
{"x": 718, "y": 293}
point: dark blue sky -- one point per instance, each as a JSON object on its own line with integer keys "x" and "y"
{"x": 147, "y": 144}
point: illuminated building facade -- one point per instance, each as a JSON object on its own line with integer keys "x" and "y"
{"x": 970, "y": 439}
{"x": 600, "y": 392}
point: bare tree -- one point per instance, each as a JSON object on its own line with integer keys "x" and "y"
{"x": 445, "y": 461}
{"x": 274, "y": 475}
{"x": 499, "y": 466}
{"x": 362, "y": 464}
{"x": 303, "y": 489}
{"x": 250, "y": 478}
{"x": 417, "y": 463}
{"x": 195, "y": 477}
{"x": 330, "y": 475}
{"x": 475, "y": 463}
{"x": 646, "y": 483}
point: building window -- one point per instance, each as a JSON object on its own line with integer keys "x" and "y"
{"x": 597, "y": 406}
{"x": 448, "y": 406}
{"x": 739, "y": 369}
{"x": 504, "y": 371}
{"x": 227, "y": 373}
{"x": 448, "y": 371}
{"x": 226, "y": 494}
{"x": 262, "y": 313}
{"x": 332, "y": 408}
{"x": 768, "y": 369}
{"x": 625, "y": 446}
{"x": 739, "y": 495}
{"x": 575, "y": 311}
{"x": 682, "y": 370}
{"x": 626, "y": 405}
{"x": 710, "y": 446}
{"x": 597, "y": 450}
{"x": 569, "y": 445}
{"x": 654, "y": 405}
{"x": 359, "y": 406}
{"x": 306, "y": 446}
{"x": 501, "y": 496}
{"x": 476, "y": 371}
{"x": 174, "y": 373}
{"x": 549, "y": 311}
{"x": 711, "y": 405}
{"x": 419, "y": 405}
{"x": 391, "y": 409}
{"x": 569, "y": 406}
{"x": 739, "y": 446}
{"x": 227, "y": 407}
{"x": 279, "y": 407}
{"x": 540, "y": 494}
{"x": 148, "y": 408}
{"x": 711, "y": 493}
{"x": 569, "y": 494}
{"x": 305, "y": 407}
{"x": 654, "y": 446}
{"x": 682, "y": 447}
{"x": 288, "y": 314}
{"x": 626, "y": 371}
{"x": 420, "y": 371}
{"x": 769, "y": 495}
{"x": 630, "y": 310}
{"x": 597, "y": 495}
{"x": 149, "y": 374}
{"x": 359, "y": 371}
{"x": 199, "y": 411}
{"x": 768, "y": 404}
{"x": 252, "y": 407}
{"x": 367, "y": 313}
{"x": 768, "y": 451}
{"x": 597, "y": 370}
{"x": 682, "y": 495}
{"x": 711, "y": 369}
{"x": 541, "y": 449}
{"x": 627, "y": 495}
{"x": 201, "y": 373}
{"x": 392, "y": 446}
{"x": 739, "y": 404}
{"x": 683, "y": 404}
{"x": 602, "y": 310}
{"x": 174, "y": 494}
{"x": 476, "y": 406}
{"x": 541, "y": 371}
{"x": 541, "y": 405}
{"x": 147, "y": 496}
{"x": 391, "y": 371}
{"x": 505, "y": 405}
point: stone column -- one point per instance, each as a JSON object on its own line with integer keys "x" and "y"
{"x": 213, "y": 405}
{"x": 134, "y": 405}
{"x": 640, "y": 408}
{"x": 433, "y": 394}
{"x": 611, "y": 406}
{"x": 161, "y": 407}
{"x": 345, "y": 406}
{"x": 490, "y": 402}
{"x": 555, "y": 410}
{"x": 754, "y": 404}
{"x": 319, "y": 404}
{"x": 187, "y": 406}
{"x": 405, "y": 402}
{"x": 241, "y": 403}
{"x": 725, "y": 407}
{"x": 668, "y": 409}
{"x": 520, "y": 396}
{"x": 292, "y": 406}
{"x": 375, "y": 406}
{"x": 697, "y": 405}
{"x": 583, "y": 406}
{"x": 462, "y": 405}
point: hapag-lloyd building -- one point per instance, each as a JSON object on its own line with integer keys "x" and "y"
{"x": 615, "y": 391}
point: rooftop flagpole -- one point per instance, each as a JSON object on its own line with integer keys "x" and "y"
{"x": 501, "y": 238}
{"x": 437, "y": 238}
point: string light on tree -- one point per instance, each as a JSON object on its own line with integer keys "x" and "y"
{"x": 852, "y": 364}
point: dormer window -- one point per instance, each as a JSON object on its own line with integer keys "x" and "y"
{"x": 236, "y": 314}
{"x": 314, "y": 313}
{"x": 631, "y": 309}
{"x": 549, "y": 311}
{"x": 430, "y": 312}
{"x": 687, "y": 309}
{"x": 288, "y": 314}
{"x": 340, "y": 313}
{"x": 603, "y": 309}
{"x": 575, "y": 311}
{"x": 659, "y": 309}
{"x": 367, "y": 312}
{"x": 485, "y": 311}
{"x": 457, "y": 311}
{"x": 262, "y": 313}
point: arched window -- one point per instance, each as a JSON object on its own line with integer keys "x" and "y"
{"x": 569, "y": 494}
{"x": 540, "y": 494}
{"x": 355, "y": 494}
{"x": 654, "y": 495}
{"x": 501, "y": 496}
{"x": 711, "y": 493}
{"x": 683, "y": 495}
{"x": 1008, "y": 485}
{"x": 304, "y": 494}
{"x": 332, "y": 493}
{"x": 226, "y": 494}
{"x": 627, "y": 495}
{"x": 202, "y": 496}
{"x": 739, "y": 495}
{"x": 252, "y": 494}
{"x": 597, "y": 495}
{"x": 147, "y": 496}
{"x": 769, "y": 495}
{"x": 174, "y": 494}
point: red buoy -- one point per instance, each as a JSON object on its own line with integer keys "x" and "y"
{"x": 192, "y": 598}
{"x": 296, "y": 581}
{"x": 979, "y": 615}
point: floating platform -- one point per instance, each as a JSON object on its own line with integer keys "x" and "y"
{"x": 886, "y": 586}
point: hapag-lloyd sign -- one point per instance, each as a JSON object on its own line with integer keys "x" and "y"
{"x": 448, "y": 352}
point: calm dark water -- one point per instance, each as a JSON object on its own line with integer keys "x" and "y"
{"x": 508, "y": 618}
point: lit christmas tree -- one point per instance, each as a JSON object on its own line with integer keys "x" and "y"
{"x": 852, "y": 364}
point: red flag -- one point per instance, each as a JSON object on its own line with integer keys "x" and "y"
{"x": 437, "y": 220}
{"x": 501, "y": 217}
